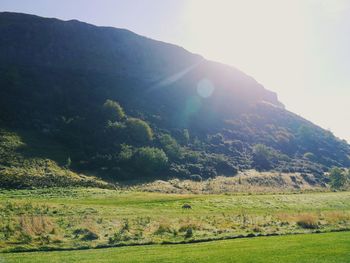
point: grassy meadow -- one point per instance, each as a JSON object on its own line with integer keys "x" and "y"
{"x": 63, "y": 218}
{"x": 329, "y": 247}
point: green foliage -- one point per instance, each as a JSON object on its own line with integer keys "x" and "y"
{"x": 189, "y": 232}
{"x": 310, "y": 156}
{"x": 186, "y": 136}
{"x": 196, "y": 177}
{"x": 170, "y": 146}
{"x": 85, "y": 234}
{"x": 69, "y": 162}
{"x": 150, "y": 160}
{"x": 266, "y": 158}
{"x": 305, "y": 133}
{"x": 24, "y": 165}
{"x": 113, "y": 111}
{"x": 139, "y": 131}
{"x": 339, "y": 178}
{"x": 72, "y": 115}
{"x": 262, "y": 157}
{"x": 125, "y": 153}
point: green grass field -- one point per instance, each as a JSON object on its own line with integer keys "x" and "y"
{"x": 58, "y": 218}
{"x": 330, "y": 247}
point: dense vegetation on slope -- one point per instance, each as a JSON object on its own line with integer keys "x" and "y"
{"x": 127, "y": 107}
{"x": 28, "y": 160}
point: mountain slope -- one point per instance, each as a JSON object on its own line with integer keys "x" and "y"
{"x": 56, "y": 75}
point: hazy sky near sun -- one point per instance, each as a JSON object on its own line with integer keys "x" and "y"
{"x": 297, "y": 48}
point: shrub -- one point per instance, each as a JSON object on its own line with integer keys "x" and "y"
{"x": 139, "y": 131}
{"x": 196, "y": 177}
{"x": 226, "y": 168}
{"x": 209, "y": 172}
{"x": 85, "y": 234}
{"x": 170, "y": 146}
{"x": 217, "y": 138}
{"x": 338, "y": 177}
{"x": 113, "y": 110}
{"x": 24, "y": 238}
{"x": 150, "y": 160}
{"x": 266, "y": 158}
{"x": 189, "y": 232}
{"x": 262, "y": 157}
{"x": 310, "y": 156}
{"x": 178, "y": 171}
{"x": 307, "y": 221}
{"x": 125, "y": 153}
{"x": 185, "y": 137}
{"x": 119, "y": 236}
{"x": 162, "y": 229}
{"x": 192, "y": 156}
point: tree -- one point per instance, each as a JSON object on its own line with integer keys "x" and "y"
{"x": 125, "y": 153}
{"x": 170, "y": 146}
{"x": 339, "y": 178}
{"x": 310, "y": 156}
{"x": 139, "y": 131}
{"x": 150, "y": 160}
{"x": 186, "y": 136}
{"x": 113, "y": 110}
{"x": 262, "y": 157}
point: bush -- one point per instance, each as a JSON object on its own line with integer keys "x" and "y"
{"x": 85, "y": 234}
{"x": 266, "y": 158}
{"x": 185, "y": 137}
{"x": 195, "y": 168}
{"x": 170, "y": 146}
{"x": 307, "y": 222}
{"x": 226, "y": 168}
{"x": 178, "y": 171}
{"x": 139, "y": 131}
{"x": 338, "y": 177}
{"x": 209, "y": 172}
{"x": 162, "y": 229}
{"x": 125, "y": 153}
{"x": 113, "y": 110}
{"x": 309, "y": 156}
{"x": 196, "y": 177}
{"x": 150, "y": 160}
{"x": 262, "y": 157}
{"x": 189, "y": 232}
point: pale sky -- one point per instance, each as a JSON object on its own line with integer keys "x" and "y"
{"x": 297, "y": 48}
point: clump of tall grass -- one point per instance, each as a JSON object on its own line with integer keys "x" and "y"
{"x": 307, "y": 221}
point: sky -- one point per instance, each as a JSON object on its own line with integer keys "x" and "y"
{"x": 297, "y": 48}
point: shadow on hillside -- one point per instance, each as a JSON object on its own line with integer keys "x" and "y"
{"x": 40, "y": 146}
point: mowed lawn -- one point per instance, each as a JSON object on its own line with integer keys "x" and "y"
{"x": 329, "y": 247}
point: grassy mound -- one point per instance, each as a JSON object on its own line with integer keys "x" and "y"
{"x": 28, "y": 160}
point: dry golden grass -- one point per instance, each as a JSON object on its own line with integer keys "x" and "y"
{"x": 335, "y": 217}
{"x": 249, "y": 181}
{"x": 308, "y": 221}
{"x": 35, "y": 224}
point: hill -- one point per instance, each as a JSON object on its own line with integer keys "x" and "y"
{"x": 122, "y": 106}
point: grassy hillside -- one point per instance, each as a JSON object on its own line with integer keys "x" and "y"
{"x": 180, "y": 116}
{"x": 315, "y": 248}
{"x": 30, "y": 160}
{"x": 62, "y": 218}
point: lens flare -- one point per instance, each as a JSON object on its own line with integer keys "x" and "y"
{"x": 205, "y": 88}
